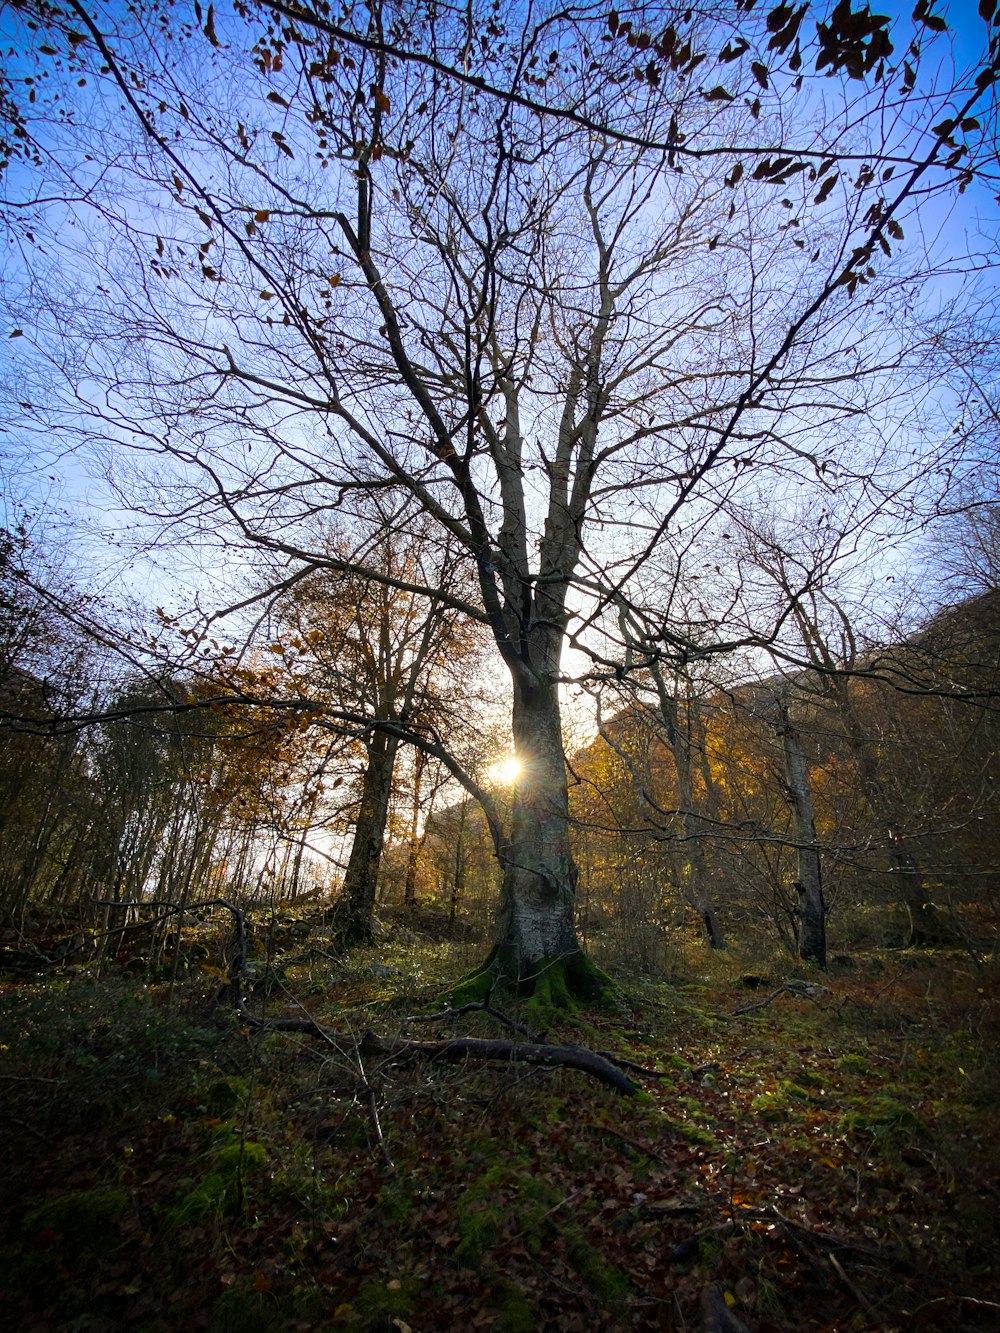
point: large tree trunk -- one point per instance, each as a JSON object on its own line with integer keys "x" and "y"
{"x": 358, "y": 897}
{"x": 537, "y": 949}
{"x": 811, "y": 907}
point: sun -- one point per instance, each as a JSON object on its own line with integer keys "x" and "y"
{"x": 507, "y": 771}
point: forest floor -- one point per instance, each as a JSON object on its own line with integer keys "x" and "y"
{"x": 824, "y": 1160}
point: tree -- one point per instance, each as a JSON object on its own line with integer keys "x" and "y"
{"x": 390, "y": 654}
{"x": 811, "y": 905}
{"x": 535, "y": 272}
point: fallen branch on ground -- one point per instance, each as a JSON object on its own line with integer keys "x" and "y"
{"x": 807, "y": 990}
{"x": 370, "y": 1043}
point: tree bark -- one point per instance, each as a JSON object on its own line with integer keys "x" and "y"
{"x": 926, "y": 923}
{"x": 538, "y": 949}
{"x": 697, "y": 869}
{"x": 416, "y": 838}
{"x": 360, "y": 878}
{"x": 811, "y": 908}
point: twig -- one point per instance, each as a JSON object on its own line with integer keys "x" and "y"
{"x": 807, "y": 990}
{"x": 368, "y": 1088}
{"x": 855, "y": 1291}
{"x": 634, "y": 1068}
{"x": 975, "y": 1301}
{"x": 478, "y": 1007}
{"x": 716, "y": 1316}
{"x": 687, "y": 1247}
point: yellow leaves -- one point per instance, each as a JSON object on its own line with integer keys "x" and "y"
{"x": 382, "y": 102}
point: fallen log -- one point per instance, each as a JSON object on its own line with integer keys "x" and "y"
{"x": 543, "y": 1054}
{"x": 491, "y": 1051}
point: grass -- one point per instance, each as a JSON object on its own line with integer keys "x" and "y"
{"x": 168, "y": 1169}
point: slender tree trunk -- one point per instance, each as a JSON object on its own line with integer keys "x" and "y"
{"x": 416, "y": 841}
{"x": 458, "y": 873}
{"x": 697, "y": 869}
{"x": 366, "y": 851}
{"x": 811, "y": 913}
{"x": 695, "y": 866}
{"x": 927, "y": 926}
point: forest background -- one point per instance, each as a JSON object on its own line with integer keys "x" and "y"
{"x": 502, "y": 501}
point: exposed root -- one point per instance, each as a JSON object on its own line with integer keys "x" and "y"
{"x": 370, "y": 1043}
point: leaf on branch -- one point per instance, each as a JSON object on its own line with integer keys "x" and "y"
{"x": 209, "y": 28}
{"x": 922, "y": 14}
{"x": 381, "y": 101}
{"x": 784, "y": 22}
{"x": 277, "y": 98}
{"x": 759, "y": 71}
{"x": 733, "y": 50}
{"x": 854, "y": 41}
{"x": 987, "y": 8}
{"x": 717, "y": 94}
{"x": 735, "y": 176}
{"x": 279, "y": 139}
{"x": 262, "y": 215}
{"x": 265, "y": 295}
{"x": 826, "y": 189}
{"x": 16, "y": 333}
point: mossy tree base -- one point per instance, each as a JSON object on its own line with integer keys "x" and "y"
{"x": 552, "y": 983}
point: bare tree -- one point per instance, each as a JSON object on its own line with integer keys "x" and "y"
{"x": 534, "y": 271}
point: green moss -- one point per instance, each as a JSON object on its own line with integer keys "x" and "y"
{"x": 396, "y": 1203}
{"x": 556, "y": 983}
{"x": 240, "y": 1310}
{"x": 85, "y": 1221}
{"x": 693, "y": 1110}
{"x": 885, "y": 1119}
{"x": 247, "y": 1157}
{"x": 857, "y": 1064}
{"x": 476, "y": 985}
{"x": 225, "y": 1094}
{"x": 480, "y": 1226}
{"x": 603, "y": 1278}
{"x": 693, "y": 1133}
{"x": 220, "y": 1186}
{"x": 516, "y": 1313}
{"x": 392, "y": 1300}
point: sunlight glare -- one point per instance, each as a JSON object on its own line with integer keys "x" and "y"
{"x": 506, "y": 771}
